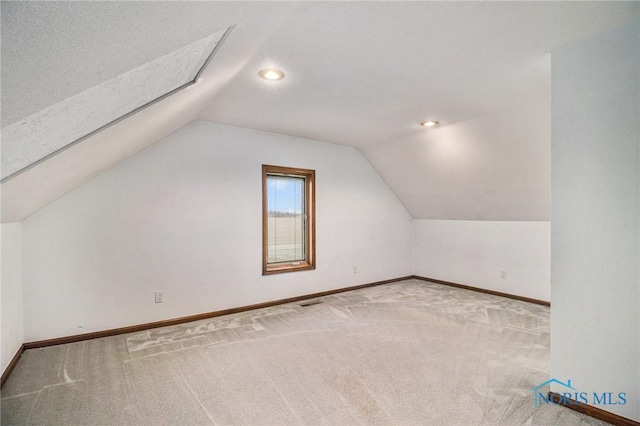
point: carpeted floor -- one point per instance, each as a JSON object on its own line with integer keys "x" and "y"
{"x": 405, "y": 353}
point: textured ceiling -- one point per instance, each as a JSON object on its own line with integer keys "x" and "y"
{"x": 361, "y": 74}
{"x": 59, "y": 126}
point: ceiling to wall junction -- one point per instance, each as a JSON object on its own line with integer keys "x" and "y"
{"x": 359, "y": 74}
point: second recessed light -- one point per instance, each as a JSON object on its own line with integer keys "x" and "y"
{"x": 271, "y": 74}
{"x": 429, "y": 123}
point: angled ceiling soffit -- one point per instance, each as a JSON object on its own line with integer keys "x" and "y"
{"x": 40, "y": 136}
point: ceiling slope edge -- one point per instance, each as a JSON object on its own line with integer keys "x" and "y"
{"x": 43, "y": 135}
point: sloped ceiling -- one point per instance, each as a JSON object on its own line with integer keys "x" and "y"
{"x": 34, "y": 139}
{"x": 360, "y": 74}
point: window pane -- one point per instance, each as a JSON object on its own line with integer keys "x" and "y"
{"x": 286, "y": 219}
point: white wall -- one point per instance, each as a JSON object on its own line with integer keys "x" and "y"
{"x": 493, "y": 167}
{"x": 475, "y": 252}
{"x": 184, "y": 216}
{"x": 595, "y": 265}
{"x": 12, "y": 326}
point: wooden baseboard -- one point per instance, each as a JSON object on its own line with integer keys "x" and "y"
{"x": 582, "y": 408}
{"x": 206, "y": 315}
{"x": 482, "y": 290}
{"x": 181, "y": 320}
{"x": 592, "y": 411}
{"x": 12, "y": 365}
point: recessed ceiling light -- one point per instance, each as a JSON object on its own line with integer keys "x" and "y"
{"x": 429, "y": 123}
{"x": 271, "y": 74}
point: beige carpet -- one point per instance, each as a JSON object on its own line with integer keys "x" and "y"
{"x": 405, "y": 353}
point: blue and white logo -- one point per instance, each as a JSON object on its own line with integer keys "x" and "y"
{"x": 571, "y": 396}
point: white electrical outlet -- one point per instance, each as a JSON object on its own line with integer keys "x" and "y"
{"x": 159, "y": 296}
{"x": 503, "y": 275}
{"x": 355, "y": 269}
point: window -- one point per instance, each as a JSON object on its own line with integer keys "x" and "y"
{"x": 288, "y": 219}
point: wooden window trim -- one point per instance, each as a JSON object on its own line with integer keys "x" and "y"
{"x": 310, "y": 228}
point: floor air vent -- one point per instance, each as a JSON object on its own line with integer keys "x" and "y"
{"x": 313, "y": 302}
